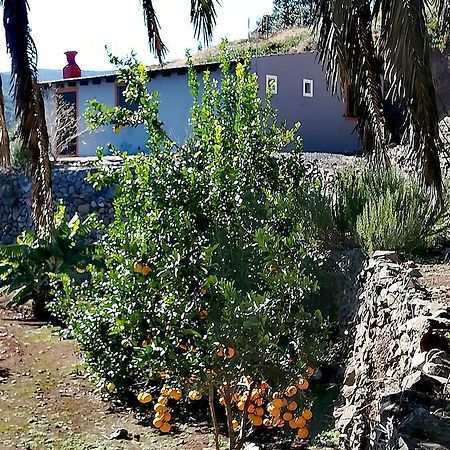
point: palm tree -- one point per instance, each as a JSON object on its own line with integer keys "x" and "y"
{"x": 386, "y": 63}
{"x": 29, "y": 109}
{"x": 5, "y": 158}
{"x": 28, "y": 97}
{"x": 381, "y": 47}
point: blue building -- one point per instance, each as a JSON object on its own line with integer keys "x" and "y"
{"x": 300, "y": 95}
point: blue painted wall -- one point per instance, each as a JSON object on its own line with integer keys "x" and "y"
{"x": 323, "y": 125}
{"x": 324, "y": 128}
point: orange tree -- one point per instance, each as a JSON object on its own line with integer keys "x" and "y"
{"x": 209, "y": 283}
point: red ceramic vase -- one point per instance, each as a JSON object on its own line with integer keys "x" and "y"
{"x": 72, "y": 69}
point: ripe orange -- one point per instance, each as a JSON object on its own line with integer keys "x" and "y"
{"x": 144, "y": 397}
{"x": 307, "y": 414}
{"x": 230, "y": 352}
{"x": 287, "y": 416}
{"x": 303, "y": 384}
{"x": 165, "y": 427}
{"x": 251, "y": 408}
{"x": 292, "y": 406}
{"x": 160, "y": 407}
{"x": 291, "y": 391}
{"x": 275, "y": 412}
{"x": 301, "y": 422}
{"x": 167, "y": 416}
{"x": 146, "y": 270}
{"x": 176, "y": 394}
{"x": 195, "y": 395}
{"x": 259, "y": 411}
{"x": 257, "y": 421}
{"x": 259, "y": 401}
{"x": 277, "y": 402}
{"x": 162, "y": 400}
{"x": 157, "y": 422}
{"x": 293, "y": 424}
{"x": 241, "y": 406}
{"x": 303, "y": 433}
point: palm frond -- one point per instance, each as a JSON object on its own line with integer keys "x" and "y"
{"x": 443, "y": 8}
{"x": 408, "y": 73}
{"x": 157, "y": 46}
{"x": 203, "y": 18}
{"x": 29, "y": 108}
{"x": 5, "y": 157}
{"x": 347, "y": 53}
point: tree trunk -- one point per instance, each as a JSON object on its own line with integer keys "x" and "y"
{"x": 5, "y": 155}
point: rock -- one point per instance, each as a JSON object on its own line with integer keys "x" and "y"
{"x": 413, "y": 273}
{"x": 386, "y": 255}
{"x": 121, "y": 434}
{"x": 84, "y": 208}
{"x": 427, "y": 427}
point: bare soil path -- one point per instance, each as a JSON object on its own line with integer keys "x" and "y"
{"x": 46, "y": 403}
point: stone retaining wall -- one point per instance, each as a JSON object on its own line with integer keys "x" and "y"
{"x": 396, "y": 388}
{"x": 69, "y": 185}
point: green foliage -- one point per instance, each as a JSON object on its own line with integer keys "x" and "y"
{"x": 287, "y": 41}
{"x": 27, "y": 267}
{"x": 387, "y": 210}
{"x": 19, "y": 154}
{"x": 290, "y": 13}
{"x": 207, "y": 256}
{"x": 328, "y": 439}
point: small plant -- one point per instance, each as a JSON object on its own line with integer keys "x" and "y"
{"x": 388, "y": 210}
{"x": 208, "y": 284}
{"x": 26, "y": 268}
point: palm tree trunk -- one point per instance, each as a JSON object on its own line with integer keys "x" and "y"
{"x": 30, "y": 110}
{"x": 5, "y": 156}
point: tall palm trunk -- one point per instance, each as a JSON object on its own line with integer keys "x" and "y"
{"x": 29, "y": 110}
{"x": 5, "y": 156}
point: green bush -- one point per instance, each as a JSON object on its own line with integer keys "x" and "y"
{"x": 209, "y": 275}
{"x": 388, "y": 210}
{"x": 28, "y": 267}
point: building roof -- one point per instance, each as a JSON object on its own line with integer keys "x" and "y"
{"x": 180, "y": 67}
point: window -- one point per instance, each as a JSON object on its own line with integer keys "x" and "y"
{"x": 272, "y": 84}
{"x": 121, "y": 100}
{"x": 308, "y": 88}
{"x": 350, "y": 101}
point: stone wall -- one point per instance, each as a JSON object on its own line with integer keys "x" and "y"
{"x": 69, "y": 185}
{"x": 396, "y": 388}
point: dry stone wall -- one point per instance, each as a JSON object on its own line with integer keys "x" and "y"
{"x": 396, "y": 389}
{"x": 69, "y": 185}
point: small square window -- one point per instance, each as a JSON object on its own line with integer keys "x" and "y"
{"x": 122, "y": 101}
{"x": 272, "y": 84}
{"x": 308, "y": 88}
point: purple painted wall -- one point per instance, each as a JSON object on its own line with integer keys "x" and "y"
{"x": 324, "y": 127}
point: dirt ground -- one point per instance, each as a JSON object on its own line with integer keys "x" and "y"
{"x": 47, "y": 403}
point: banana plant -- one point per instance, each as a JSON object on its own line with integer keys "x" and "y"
{"x": 27, "y": 267}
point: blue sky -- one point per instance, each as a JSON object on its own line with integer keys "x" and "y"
{"x": 88, "y": 25}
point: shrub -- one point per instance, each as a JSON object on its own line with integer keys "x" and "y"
{"x": 209, "y": 278}
{"x": 389, "y": 210}
{"x": 27, "y": 268}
